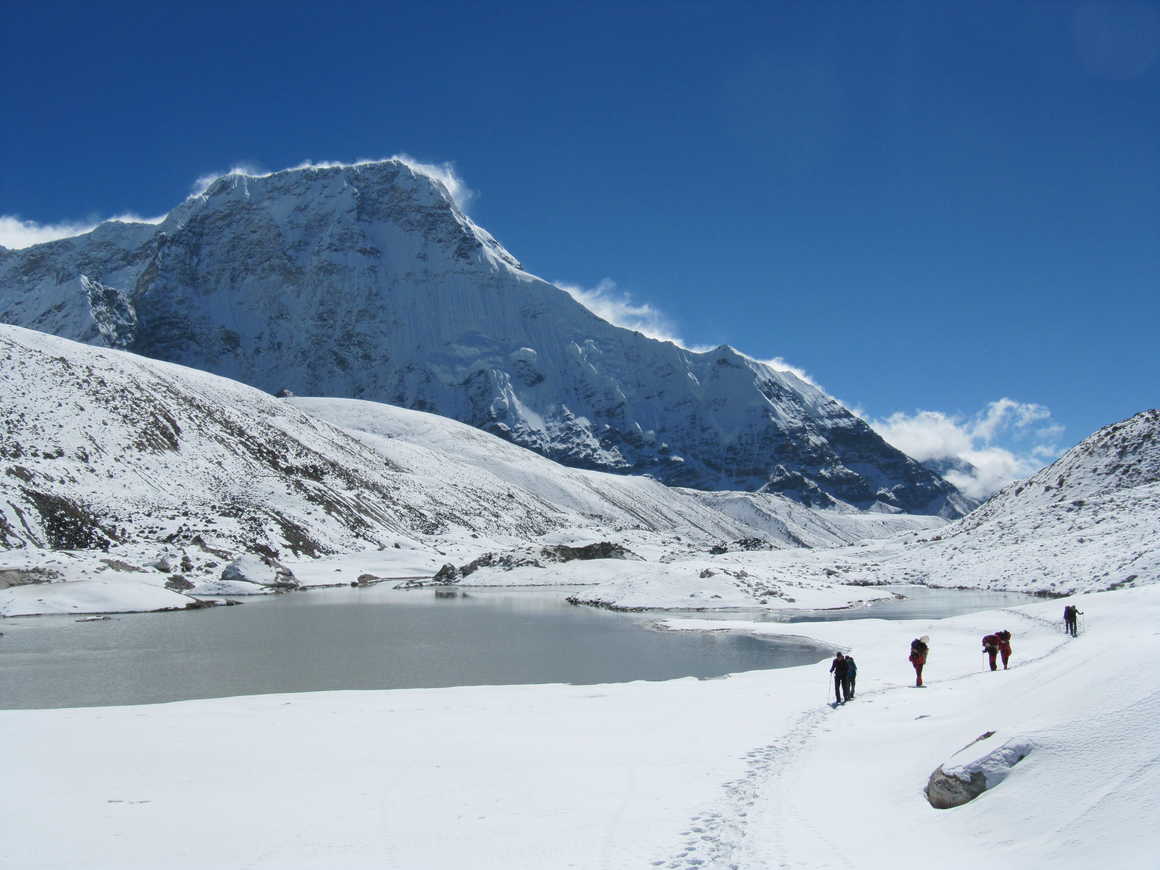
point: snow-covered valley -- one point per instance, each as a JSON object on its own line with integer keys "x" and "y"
{"x": 144, "y": 485}
{"x": 233, "y": 492}
{"x": 683, "y": 491}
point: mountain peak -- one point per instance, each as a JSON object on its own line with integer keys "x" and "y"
{"x": 367, "y": 280}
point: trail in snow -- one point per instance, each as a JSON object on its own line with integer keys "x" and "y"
{"x": 714, "y": 837}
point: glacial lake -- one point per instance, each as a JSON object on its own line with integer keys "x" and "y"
{"x": 381, "y": 638}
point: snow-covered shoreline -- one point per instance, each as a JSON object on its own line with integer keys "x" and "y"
{"x": 748, "y": 771}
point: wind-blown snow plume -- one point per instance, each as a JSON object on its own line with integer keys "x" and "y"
{"x": 444, "y": 173}
{"x": 17, "y": 232}
{"x": 780, "y": 365}
{"x": 985, "y": 466}
{"x": 608, "y": 302}
{"x": 203, "y": 181}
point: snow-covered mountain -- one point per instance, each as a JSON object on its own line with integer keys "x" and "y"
{"x": 1089, "y": 522}
{"x": 367, "y": 281}
{"x": 120, "y": 460}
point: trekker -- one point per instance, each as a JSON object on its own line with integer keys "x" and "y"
{"x": 1070, "y": 619}
{"x": 851, "y": 676}
{"x": 1004, "y": 638}
{"x": 841, "y": 687}
{"x": 918, "y": 651}
{"x": 991, "y": 648}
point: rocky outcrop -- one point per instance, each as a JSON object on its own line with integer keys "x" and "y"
{"x": 25, "y": 576}
{"x": 447, "y": 574}
{"x": 599, "y": 550}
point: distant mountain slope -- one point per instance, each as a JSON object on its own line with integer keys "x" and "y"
{"x": 1118, "y": 457}
{"x": 367, "y": 281}
{"x": 1089, "y": 521}
{"x": 453, "y": 453}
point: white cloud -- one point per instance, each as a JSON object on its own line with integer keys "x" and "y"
{"x": 933, "y": 435}
{"x": 18, "y": 233}
{"x": 992, "y": 469}
{"x": 15, "y": 232}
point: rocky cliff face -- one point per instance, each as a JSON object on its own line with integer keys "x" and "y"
{"x": 367, "y": 281}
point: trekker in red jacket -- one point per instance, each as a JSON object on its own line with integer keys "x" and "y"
{"x": 991, "y": 648}
{"x": 918, "y": 651}
{"x": 1004, "y": 638}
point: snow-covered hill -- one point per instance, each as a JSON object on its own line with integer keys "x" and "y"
{"x": 367, "y": 281}
{"x": 1116, "y": 458}
{"x": 1090, "y": 520}
{"x": 117, "y": 467}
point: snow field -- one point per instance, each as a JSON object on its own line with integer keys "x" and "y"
{"x": 750, "y": 771}
{"x": 1089, "y": 791}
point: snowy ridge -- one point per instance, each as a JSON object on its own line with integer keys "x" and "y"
{"x": 367, "y": 281}
{"x": 114, "y": 467}
{"x": 1089, "y": 522}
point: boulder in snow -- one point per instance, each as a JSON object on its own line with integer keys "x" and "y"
{"x": 954, "y": 784}
{"x": 447, "y": 574}
{"x": 261, "y": 571}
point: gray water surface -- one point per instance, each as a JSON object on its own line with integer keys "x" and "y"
{"x": 375, "y": 638}
{"x": 380, "y": 638}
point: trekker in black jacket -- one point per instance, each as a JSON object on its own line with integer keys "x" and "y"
{"x": 851, "y": 676}
{"x": 841, "y": 687}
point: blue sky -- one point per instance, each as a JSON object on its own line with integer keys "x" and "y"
{"x": 929, "y": 207}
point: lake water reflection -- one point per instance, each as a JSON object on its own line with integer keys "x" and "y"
{"x": 380, "y": 638}
{"x": 375, "y": 638}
